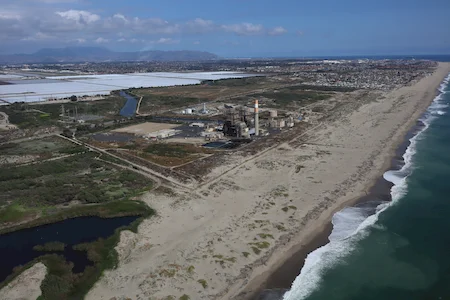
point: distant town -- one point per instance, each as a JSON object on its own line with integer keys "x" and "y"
{"x": 358, "y": 73}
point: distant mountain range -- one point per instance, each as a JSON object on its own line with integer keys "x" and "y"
{"x": 98, "y": 54}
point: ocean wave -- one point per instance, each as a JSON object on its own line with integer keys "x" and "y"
{"x": 350, "y": 225}
{"x": 346, "y": 222}
{"x": 324, "y": 258}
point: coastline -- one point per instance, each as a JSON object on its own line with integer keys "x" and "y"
{"x": 286, "y": 270}
{"x": 225, "y": 239}
{"x": 281, "y": 278}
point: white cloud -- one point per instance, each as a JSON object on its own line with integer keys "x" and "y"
{"x": 230, "y": 43}
{"x": 200, "y": 26}
{"x": 79, "y": 16}
{"x": 101, "y": 40}
{"x": 277, "y": 31}
{"x": 76, "y": 41}
{"x": 30, "y": 20}
{"x": 121, "y": 18}
{"x": 244, "y": 29}
{"x": 9, "y": 16}
{"x": 55, "y": 1}
{"x": 39, "y": 36}
{"x": 166, "y": 41}
{"x": 196, "y": 43}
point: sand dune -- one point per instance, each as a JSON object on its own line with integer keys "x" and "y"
{"x": 26, "y": 286}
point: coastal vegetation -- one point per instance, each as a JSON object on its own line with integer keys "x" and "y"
{"x": 26, "y": 116}
{"x": 289, "y": 98}
{"x": 163, "y": 98}
{"x": 77, "y": 185}
{"x": 50, "y": 247}
{"x": 151, "y": 102}
{"x": 342, "y": 89}
{"x": 166, "y": 154}
{"x": 203, "y": 282}
{"x": 38, "y": 150}
{"x": 246, "y": 81}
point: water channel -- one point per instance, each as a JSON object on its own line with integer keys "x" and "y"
{"x": 129, "y": 109}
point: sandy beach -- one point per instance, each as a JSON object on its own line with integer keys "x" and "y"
{"x": 223, "y": 240}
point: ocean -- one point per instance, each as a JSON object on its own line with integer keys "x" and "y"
{"x": 397, "y": 248}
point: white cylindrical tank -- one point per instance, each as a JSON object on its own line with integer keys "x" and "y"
{"x": 273, "y": 114}
{"x": 189, "y": 111}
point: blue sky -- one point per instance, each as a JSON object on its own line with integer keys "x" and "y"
{"x": 231, "y": 28}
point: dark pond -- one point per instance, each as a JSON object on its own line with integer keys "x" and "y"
{"x": 233, "y": 144}
{"x": 16, "y": 248}
{"x": 129, "y": 109}
{"x": 215, "y": 144}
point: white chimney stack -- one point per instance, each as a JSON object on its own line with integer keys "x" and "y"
{"x": 256, "y": 118}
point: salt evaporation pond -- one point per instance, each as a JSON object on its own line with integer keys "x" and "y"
{"x": 89, "y": 85}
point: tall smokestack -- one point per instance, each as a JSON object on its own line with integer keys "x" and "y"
{"x": 256, "y": 118}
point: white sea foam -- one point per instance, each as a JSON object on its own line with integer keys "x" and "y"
{"x": 346, "y": 222}
{"x": 350, "y": 225}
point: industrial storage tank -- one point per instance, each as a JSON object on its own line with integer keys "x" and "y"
{"x": 273, "y": 114}
{"x": 189, "y": 111}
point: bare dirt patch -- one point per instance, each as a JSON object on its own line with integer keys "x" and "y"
{"x": 146, "y": 128}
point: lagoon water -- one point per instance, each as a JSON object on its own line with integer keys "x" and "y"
{"x": 397, "y": 250}
{"x": 16, "y": 248}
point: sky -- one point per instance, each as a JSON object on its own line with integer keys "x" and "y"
{"x": 230, "y": 28}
